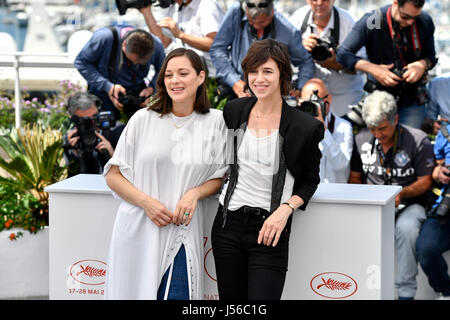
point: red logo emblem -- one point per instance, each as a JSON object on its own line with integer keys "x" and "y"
{"x": 208, "y": 260}
{"x": 90, "y": 272}
{"x": 334, "y": 285}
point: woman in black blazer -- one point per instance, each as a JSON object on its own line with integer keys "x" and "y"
{"x": 274, "y": 169}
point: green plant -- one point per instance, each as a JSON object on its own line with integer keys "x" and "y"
{"x": 18, "y": 210}
{"x": 35, "y": 161}
{"x": 211, "y": 91}
{"x": 51, "y": 113}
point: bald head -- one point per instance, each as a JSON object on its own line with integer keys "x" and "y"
{"x": 312, "y": 85}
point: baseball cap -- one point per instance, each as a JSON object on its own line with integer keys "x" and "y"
{"x": 257, "y": 7}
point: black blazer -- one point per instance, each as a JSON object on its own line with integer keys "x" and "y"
{"x": 299, "y": 139}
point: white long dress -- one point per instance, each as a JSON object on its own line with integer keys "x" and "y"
{"x": 164, "y": 157}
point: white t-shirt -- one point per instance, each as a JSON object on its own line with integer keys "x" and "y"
{"x": 257, "y": 165}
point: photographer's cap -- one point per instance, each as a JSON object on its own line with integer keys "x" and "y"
{"x": 257, "y": 7}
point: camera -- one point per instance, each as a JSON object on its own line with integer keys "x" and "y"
{"x": 87, "y": 126}
{"x": 311, "y": 106}
{"x": 131, "y": 102}
{"x": 321, "y": 52}
{"x": 441, "y": 212}
{"x": 417, "y": 89}
{"x": 123, "y": 5}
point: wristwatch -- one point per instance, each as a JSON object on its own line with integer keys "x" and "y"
{"x": 290, "y": 206}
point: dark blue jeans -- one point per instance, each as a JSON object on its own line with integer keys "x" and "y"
{"x": 179, "y": 286}
{"x": 433, "y": 241}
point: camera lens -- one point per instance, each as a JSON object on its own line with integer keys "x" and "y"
{"x": 309, "y": 107}
{"x": 321, "y": 52}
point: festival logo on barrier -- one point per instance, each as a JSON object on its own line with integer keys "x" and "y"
{"x": 208, "y": 261}
{"x": 90, "y": 272}
{"x": 210, "y": 285}
{"x": 334, "y": 285}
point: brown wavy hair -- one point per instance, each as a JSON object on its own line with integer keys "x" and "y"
{"x": 162, "y": 102}
{"x": 259, "y": 52}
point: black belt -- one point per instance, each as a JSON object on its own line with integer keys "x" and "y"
{"x": 250, "y": 210}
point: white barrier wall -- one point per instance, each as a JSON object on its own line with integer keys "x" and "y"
{"x": 341, "y": 247}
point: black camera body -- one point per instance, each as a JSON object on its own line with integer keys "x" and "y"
{"x": 418, "y": 89}
{"x": 87, "y": 126}
{"x": 131, "y": 102}
{"x": 321, "y": 52}
{"x": 123, "y": 5}
{"x": 312, "y": 106}
{"x": 441, "y": 212}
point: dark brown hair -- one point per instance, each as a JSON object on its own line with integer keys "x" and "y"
{"x": 416, "y": 3}
{"x": 162, "y": 102}
{"x": 260, "y": 51}
{"x": 140, "y": 42}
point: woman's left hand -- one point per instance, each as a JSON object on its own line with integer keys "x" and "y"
{"x": 187, "y": 204}
{"x": 274, "y": 226}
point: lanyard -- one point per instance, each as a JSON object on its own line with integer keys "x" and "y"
{"x": 396, "y": 37}
{"x": 387, "y": 177}
{"x": 388, "y": 166}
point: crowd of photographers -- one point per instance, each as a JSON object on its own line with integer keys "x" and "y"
{"x": 367, "y": 81}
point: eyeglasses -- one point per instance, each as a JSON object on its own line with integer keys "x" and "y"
{"x": 261, "y": 5}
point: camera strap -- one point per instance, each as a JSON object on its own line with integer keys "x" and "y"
{"x": 113, "y": 55}
{"x": 387, "y": 165}
{"x": 331, "y": 123}
{"x": 336, "y": 25}
{"x": 398, "y": 41}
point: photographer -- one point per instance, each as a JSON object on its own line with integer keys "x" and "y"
{"x": 399, "y": 41}
{"x": 324, "y": 28}
{"x": 115, "y": 62}
{"x": 388, "y": 153}
{"x": 434, "y": 237}
{"x": 337, "y": 144}
{"x": 86, "y": 148}
{"x": 192, "y": 24}
{"x": 247, "y": 21}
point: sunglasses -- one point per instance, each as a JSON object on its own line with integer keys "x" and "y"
{"x": 261, "y": 5}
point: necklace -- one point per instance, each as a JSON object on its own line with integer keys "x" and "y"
{"x": 262, "y": 116}
{"x": 181, "y": 124}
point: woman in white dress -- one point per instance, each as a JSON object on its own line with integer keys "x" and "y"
{"x": 167, "y": 159}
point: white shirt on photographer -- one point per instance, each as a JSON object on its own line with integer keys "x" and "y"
{"x": 336, "y": 148}
{"x": 347, "y": 89}
{"x": 198, "y": 18}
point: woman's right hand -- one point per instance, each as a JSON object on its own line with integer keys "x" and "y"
{"x": 157, "y": 212}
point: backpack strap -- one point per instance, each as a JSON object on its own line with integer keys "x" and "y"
{"x": 336, "y": 26}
